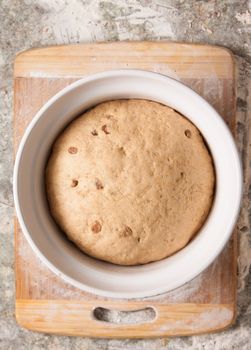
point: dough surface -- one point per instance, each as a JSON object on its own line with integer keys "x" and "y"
{"x": 130, "y": 181}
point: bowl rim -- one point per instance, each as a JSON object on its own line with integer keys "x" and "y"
{"x": 90, "y": 78}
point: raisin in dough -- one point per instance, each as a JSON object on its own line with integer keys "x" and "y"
{"x": 130, "y": 181}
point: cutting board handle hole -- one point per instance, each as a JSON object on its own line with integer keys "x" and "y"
{"x": 145, "y": 315}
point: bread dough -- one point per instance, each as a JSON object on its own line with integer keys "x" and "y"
{"x": 130, "y": 181}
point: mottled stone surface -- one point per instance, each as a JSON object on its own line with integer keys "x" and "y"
{"x": 34, "y": 23}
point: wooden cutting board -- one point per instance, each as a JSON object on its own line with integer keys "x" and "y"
{"x": 46, "y": 303}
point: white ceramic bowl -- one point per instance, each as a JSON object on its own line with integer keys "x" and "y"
{"x": 63, "y": 257}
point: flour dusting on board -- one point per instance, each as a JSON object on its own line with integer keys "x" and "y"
{"x": 40, "y": 276}
{"x": 165, "y": 69}
{"x": 43, "y": 283}
{"x": 212, "y": 89}
{"x": 183, "y": 293}
{"x": 213, "y": 318}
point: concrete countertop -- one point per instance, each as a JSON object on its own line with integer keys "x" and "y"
{"x": 35, "y": 23}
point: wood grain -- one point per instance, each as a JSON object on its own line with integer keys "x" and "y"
{"x": 76, "y": 318}
{"x": 60, "y": 61}
{"x": 44, "y": 302}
